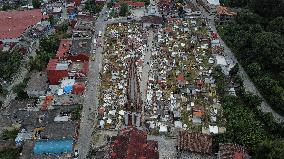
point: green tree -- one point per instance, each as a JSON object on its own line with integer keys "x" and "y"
{"x": 234, "y": 3}
{"x": 36, "y": 3}
{"x": 254, "y": 69}
{"x": 234, "y": 70}
{"x": 267, "y": 8}
{"x": 270, "y": 149}
{"x": 123, "y": 9}
{"x": 20, "y": 91}
{"x": 276, "y": 25}
{"x": 10, "y": 153}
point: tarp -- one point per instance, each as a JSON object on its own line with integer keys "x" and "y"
{"x": 53, "y": 146}
{"x": 67, "y": 89}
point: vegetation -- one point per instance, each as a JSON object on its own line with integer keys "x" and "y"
{"x": 270, "y": 149}
{"x": 256, "y": 37}
{"x": 36, "y": 3}
{"x": 10, "y": 153}
{"x": 124, "y": 9}
{"x": 20, "y": 90}
{"x": 9, "y": 64}
{"x": 76, "y": 113}
{"x": 245, "y": 123}
{"x": 110, "y": 4}
{"x": 48, "y": 48}
{"x": 9, "y": 134}
{"x": 93, "y": 7}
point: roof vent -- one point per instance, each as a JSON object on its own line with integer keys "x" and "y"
{"x": 10, "y": 17}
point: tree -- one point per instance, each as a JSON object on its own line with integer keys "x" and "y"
{"x": 270, "y": 149}
{"x": 276, "y": 25}
{"x": 254, "y": 69}
{"x": 36, "y": 3}
{"x": 267, "y": 8}
{"x": 248, "y": 17}
{"x": 123, "y": 9}
{"x": 234, "y": 70}
{"x": 51, "y": 20}
{"x": 234, "y": 3}
{"x": 20, "y": 90}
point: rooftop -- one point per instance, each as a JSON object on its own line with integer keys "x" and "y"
{"x": 221, "y": 10}
{"x": 152, "y": 19}
{"x": 38, "y": 82}
{"x": 14, "y": 23}
{"x": 195, "y": 142}
{"x": 133, "y": 143}
{"x": 132, "y": 4}
{"x": 231, "y": 151}
{"x": 64, "y": 47}
{"x": 81, "y": 46}
{"x": 55, "y": 64}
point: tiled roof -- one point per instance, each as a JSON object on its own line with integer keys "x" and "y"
{"x": 64, "y": 47}
{"x": 14, "y": 23}
{"x": 132, "y": 143}
{"x": 195, "y": 142}
{"x": 221, "y": 10}
{"x": 131, "y": 3}
{"x": 231, "y": 151}
{"x": 52, "y": 64}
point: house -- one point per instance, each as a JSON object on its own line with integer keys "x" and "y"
{"x": 231, "y": 151}
{"x": 152, "y": 20}
{"x": 57, "y": 70}
{"x": 195, "y": 142}
{"x": 165, "y": 6}
{"x": 63, "y": 49}
{"x": 77, "y": 2}
{"x": 133, "y": 143}
{"x": 224, "y": 15}
{"x": 131, "y": 4}
{"x": 191, "y": 10}
{"x": 37, "y": 85}
{"x": 14, "y": 23}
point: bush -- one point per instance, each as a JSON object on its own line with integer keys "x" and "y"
{"x": 10, "y": 153}
{"x": 6, "y": 135}
{"x": 76, "y": 113}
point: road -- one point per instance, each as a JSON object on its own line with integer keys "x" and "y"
{"x": 89, "y": 112}
{"x": 249, "y": 85}
{"x": 146, "y": 68}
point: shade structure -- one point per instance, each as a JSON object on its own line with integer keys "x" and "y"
{"x": 67, "y": 89}
{"x": 53, "y": 146}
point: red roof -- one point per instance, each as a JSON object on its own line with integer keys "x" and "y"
{"x": 132, "y": 143}
{"x": 64, "y": 47}
{"x": 180, "y": 77}
{"x": 52, "y": 64}
{"x": 132, "y": 4}
{"x": 14, "y": 23}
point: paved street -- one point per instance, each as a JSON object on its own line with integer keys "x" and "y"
{"x": 249, "y": 85}
{"x": 91, "y": 102}
{"x": 146, "y": 68}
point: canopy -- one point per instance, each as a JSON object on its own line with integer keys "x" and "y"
{"x": 67, "y": 89}
{"x": 53, "y": 146}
